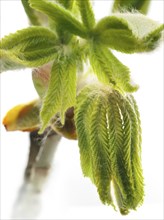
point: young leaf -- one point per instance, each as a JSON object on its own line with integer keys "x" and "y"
{"x": 24, "y": 117}
{"x": 30, "y": 13}
{"x": 7, "y": 63}
{"x": 109, "y": 69}
{"x": 132, "y": 108}
{"x": 61, "y": 16}
{"x": 81, "y": 117}
{"x": 130, "y": 5}
{"x": 91, "y": 124}
{"x": 30, "y": 47}
{"x": 128, "y": 33}
{"x": 87, "y": 13}
{"x": 36, "y": 18}
{"x": 61, "y": 93}
{"x": 109, "y": 138}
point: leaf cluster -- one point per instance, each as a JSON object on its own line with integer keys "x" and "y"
{"x": 63, "y": 39}
{"x": 109, "y": 135}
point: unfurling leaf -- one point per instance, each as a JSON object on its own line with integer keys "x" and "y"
{"x": 61, "y": 93}
{"x": 131, "y": 5}
{"x": 30, "y": 47}
{"x": 87, "y": 14}
{"x": 109, "y": 69}
{"x": 61, "y": 16}
{"x": 23, "y": 117}
{"x": 128, "y": 33}
{"x": 108, "y": 131}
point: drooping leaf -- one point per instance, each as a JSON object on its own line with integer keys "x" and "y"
{"x": 87, "y": 13}
{"x": 108, "y": 132}
{"x": 128, "y": 33}
{"x": 24, "y": 117}
{"x": 30, "y": 47}
{"x": 109, "y": 69}
{"x": 61, "y": 16}
{"x": 120, "y": 145}
{"x": 130, "y": 5}
{"x": 61, "y": 93}
{"x": 136, "y": 149}
{"x": 91, "y": 124}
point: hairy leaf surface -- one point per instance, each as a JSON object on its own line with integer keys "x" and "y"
{"x": 130, "y": 5}
{"x": 108, "y": 131}
{"x": 30, "y": 47}
{"x": 30, "y": 13}
{"x": 61, "y": 16}
{"x": 61, "y": 93}
{"x": 109, "y": 69}
{"x": 128, "y": 33}
{"x": 87, "y": 14}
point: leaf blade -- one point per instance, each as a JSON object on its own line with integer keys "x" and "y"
{"x": 128, "y": 33}
{"x": 61, "y": 16}
{"x": 30, "y": 47}
{"x": 130, "y": 5}
{"x": 87, "y": 13}
{"x": 109, "y": 69}
{"x": 61, "y": 93}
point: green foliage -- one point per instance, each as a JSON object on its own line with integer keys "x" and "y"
{"x": 87, "y": 14}
{"x": 109, "y": 69}
{"x": 128, "y": 33}
{"x": 107, "y": 127}
{"x": 130, "y": 5}
{"x": 107, "y": 119}
{"x": 30, "y": 47}
{"x": 61, "y": 16}
{"x": 61, "y": 93}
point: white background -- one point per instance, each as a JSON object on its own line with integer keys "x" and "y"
{"x": 68, "y": 194}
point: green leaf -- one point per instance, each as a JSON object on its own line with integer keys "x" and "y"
{"x": 109, "y": 69}
{"x": 128, "y": 33}
{"x": 30, "y": 13}
{"x": 30, "y": 47}
{"x": 108, "y": 131}
{"x": 91, "y": 124}
{"x": 61, "y": 16}
{"x": 36, "y": 18}
{"x": 120, "y": 148}
{"x": 130, "y": 5}
{"x": 87, "y": 13}
{"x": 81, "y": 113}
{"x": 61, "y": 93}
{"x": 7, "y": 63}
